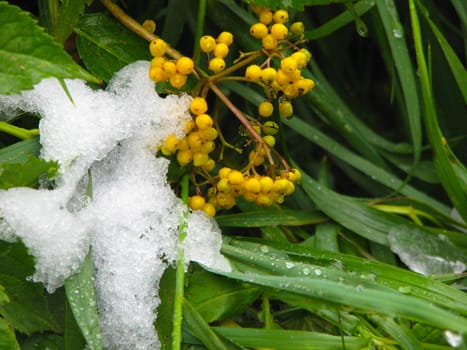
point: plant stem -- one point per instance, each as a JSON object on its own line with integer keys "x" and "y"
{"x": 199, "y": 29}
{"x": 180, "y": 273}
{"x": 21, "y": 133}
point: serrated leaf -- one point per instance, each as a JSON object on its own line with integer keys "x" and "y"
{"x": 82, "y": 299}
{"x": 105, "y": 46}
{"x": 29, "y": 55}
{"x": 27, "y": 310}
{"x": 216, "y": 298}
{"x": 7, "y": 336}
{"x": 26, "y": 173}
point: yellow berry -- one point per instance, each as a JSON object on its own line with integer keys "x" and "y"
{"x": 259, "y": 30}
{"x": 209, "y": 165}
{"x": 252, "y": 185}
{"x": 282, "y": 78}
{"x": 303, "y": 86}
{"x": 203, "y": 121}
{"x": 265, "y": 16}
{"x": 280, "y": 186}
{"x": 285, "y": 109}
{"x": 281, "y": 16}
{"x": 225, "y": 38}
{"x": 194, "y": 141}
{"x": 184, "y": 157}
{"x": 290, "y": 91}
{"x": 266, "y": 184}
{"x": 225, "y": 200}
{"x": 253, "y": 72}
{"x": 255, "y": 158}
{"x": 269, "y": 42}
{"x": 290, "y": 188}
{"x": 183, "y": 145}
{"x": 221, "y": 50}
{"x": 298, "y": 174}
{"x": 250, "y": 196}
{"x": 200, "y": 158}
{"x": 263, "y": 200}
{"x": 224, "y": 172}
{"x": 279, "y": 31}
{"x": 158, "y": 47}
{"x": 149, "y": 25}
{"x": 208, "y": 147}
{"x": 209, "y": 209}
{"x": 177, "y": 80}
{"x": 268, "y": 75}
{"x": 307, "y": 54}
{"x": 185, "y": 65}
{"x": 157, "y": 74}
{"x": 301, "y": 58}
{"x": 169, "y": 68}
{"x": 196, "y": 202}
{"x": 235, "y": 177}
{"x": 198, "y": 105}
{"x": 224, "y": 186}
{"x": 265, "y": 109}
{"x": 297, "y": 28}
{"x": 270, "y": 140}
{"x": 208, "y": 134}
{"x": 256, "y": 8}
{"x": 189, "y": 125}
{"x": 270, "y": 128}
{"x": 157, "y": 62}
{"x": 171, "y": 143}
{"x": 289, "y": 65}
{"x": 216, "y": 65}
{"x": 207, "y": 43}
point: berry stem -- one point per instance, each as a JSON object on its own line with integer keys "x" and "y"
{"x": 236, "y": 66}
{"x": 21, "y": 133}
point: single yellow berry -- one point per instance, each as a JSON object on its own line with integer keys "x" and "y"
{"x": 196, "y": 202}
{"x": 224, "y": 186}
{"x": 282, "y": 78}
{"x": 259, "y": 30}
{"x": 253, "y": 72}
{"x": 270, "y": 128}
{"x": 185, "y": 65}
{"x": 266, "y": 184}
{"x": 157, "y": 62}
{"x": 252, "y": 185}
{"x": 149, "y": 25}
{"x": 221, "y": 50}
{"x": 289, "y": 91}
{"x": 269, "y": 42}
{"x": 171, "y": 143}
{"x": 270, "y": 140}
{"x": 224, "y": 172}
{"x": 279, "y": 31}
{"x": 200, "y": 158}
{"x": 203, "y": 121}
{"x": 297, "y": 28}
{"x": 225, "y": 38}
{"x": 303, "y": 86}
{"x": 177, "y": 80}
{"x": 281, "y": 16}
{"x": 209, "y": 209}
{"x": 268, "y": 75}
{"x": 169, "y": 68}
{"x": 235, "y": 177}
{"x": 189, "y": 126}
{"x": 298, "y": 174}
{"x": 301, "y": 58}
{"x": 216, "y": 65}
{"x": 288, "y": 65}
{"x": 265, "y": 109}
{"x": 208, "y": 134}
{"x": 263, "y": 200}
{"x": 280, "y": 186}
{"x": 255, "y": 158}
{"x": 225, "y": 200}
{"x": 184, "y": 157}
{"x": 183, "y": 145}
{"x": 209, "y": 165}
{"x": 198, "y": 105}
{"x": 158, "y": 47}
{"x": 265, "y": 16}
{"x": 285, "y": 109}
{"x": 194, "y": 140}
{"x": 208, "y": 147}
{"x": 207, "y": 43}
{"x": 157, "y": 74}
{"x": 307, "y": 54}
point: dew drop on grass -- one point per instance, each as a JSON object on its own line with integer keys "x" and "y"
{"x": 289, "y": 265}
{"x": 456, "y": 340}
{"x": 306, "y": 271}
{"x": 318, "y": 272}
{"x": 404, "y": 289}
{"x": 264, "y": 249}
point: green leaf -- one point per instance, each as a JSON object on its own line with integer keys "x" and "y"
{"x": 7, "y": 336}
{"x": 105, "y": 46}
{"x": 217, "y": 298}
{"x": 29, "y": 55}
{"x": 26, "y": 173}
{"x": 280, "y": 339}
{"x": 295, "y": 4}
{"x": 399, "y": 332}
{"x": 27, "y": 310}
{"x": 326, "y": 236}
{"x": 272, "y": 217}
{"x": 165, "y": 311}
{"x": 43, "y": 342}
{"x": 82, "y": 299}
{"x": 3, "y": 296}
{"x": 19, "y": 152}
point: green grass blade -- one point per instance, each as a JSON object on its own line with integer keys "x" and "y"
{"x": 447, "y": 165}
{"x": 375, "y": 172}
{"x": 280, "y": 339}
{"x": 400, "y": 333}
{"x": 400, "y": 54}
{"x": 81, "y": 296}
{"x": 272, "y": 217}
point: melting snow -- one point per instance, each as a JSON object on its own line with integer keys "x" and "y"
{"x": 132, "y": 221}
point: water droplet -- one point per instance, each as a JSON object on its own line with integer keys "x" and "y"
{"x": 264, "y": 249}
{"x": 359, "y": 288}
{"x": 454, "y": 339}
{"x": 398, "y": 33}
{"x": 289, "y": 265}
{"x": 404, "y": 289}
{"x": 306, "y": 271}
{"x": 318, "y": 272}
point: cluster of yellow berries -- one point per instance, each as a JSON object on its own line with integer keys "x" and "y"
{"x": 198, "y": 143}
{"x": 162, "y": 69}
{"x": 260, "y": 189}
{"x": 218, "y": 47}
{"x": 287, "y": 78}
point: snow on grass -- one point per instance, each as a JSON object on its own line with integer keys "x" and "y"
{"x": 132, "y": 220}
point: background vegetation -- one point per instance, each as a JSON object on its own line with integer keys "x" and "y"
{"x": 381, "y": 143}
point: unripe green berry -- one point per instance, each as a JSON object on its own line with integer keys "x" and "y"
{"x": 297, "y": 28}
{"x": 270, "y": 127}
